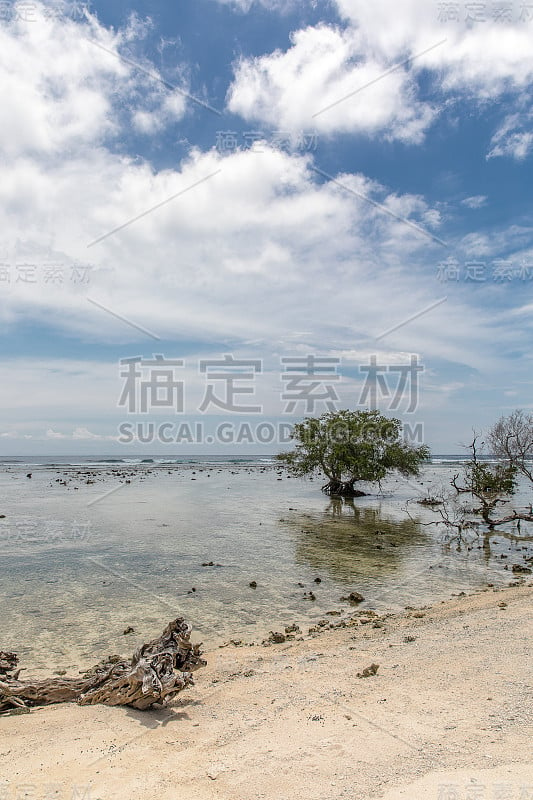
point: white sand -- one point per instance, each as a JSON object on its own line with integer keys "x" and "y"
{"x": 452, "y": 708}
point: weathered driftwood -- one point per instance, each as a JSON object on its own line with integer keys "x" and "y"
{"x": 157, "y": 671}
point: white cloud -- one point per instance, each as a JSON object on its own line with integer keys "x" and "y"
{"x": 513, "y": 138}
{"x": 64, "y": 84}
{"x": 252, "y": 237}
{"x": 260, "y": 250}
{"x": 292, "y": 90}
{"x": 374, "y": 63}
{"x": 51, "y": 434}
{"x": 476, "y": 201}
{"x": 481, "y": 58}
{"x": 84, "y": 434}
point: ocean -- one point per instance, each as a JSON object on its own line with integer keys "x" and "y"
{"x": 92, "y": 546}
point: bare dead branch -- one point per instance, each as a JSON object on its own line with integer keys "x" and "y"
{"x": 157, "y": 671}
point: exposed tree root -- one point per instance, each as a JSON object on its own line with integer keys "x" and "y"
{"x": 339, "y": 488}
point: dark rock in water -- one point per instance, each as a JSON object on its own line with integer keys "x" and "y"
{"x": 301, "y": 585}
{"x": 292, "y": 629}
{"x": 353, "y": 597}
{"x": 208, "y": 564}
{"x": 127, "y": 630}
{"x": 253, "y": 584}
{"x": 318, "y": 580}
{"x": 2, "y": 516}
{"x": 368, "y": 671}
{"x": 28, "y": 475}
{"x": 520, "y": 568}
{"x": 309, "y": 596}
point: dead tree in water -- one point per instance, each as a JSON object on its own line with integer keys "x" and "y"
{"x": 157, "y": 671}
{"x": 491, "y": 485}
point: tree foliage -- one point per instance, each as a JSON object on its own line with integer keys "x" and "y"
{"x": 351, "y": 446}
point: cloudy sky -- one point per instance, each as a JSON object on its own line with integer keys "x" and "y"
{"x": 255, "y": 181}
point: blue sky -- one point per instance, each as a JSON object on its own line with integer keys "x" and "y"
{"x": 267, "y": 179}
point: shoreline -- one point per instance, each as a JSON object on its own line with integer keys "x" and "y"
{"x": 293, "y": 720}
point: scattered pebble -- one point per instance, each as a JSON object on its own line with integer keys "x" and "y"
{"x": 368, "y": 671}
{"x": 353, "y": 597}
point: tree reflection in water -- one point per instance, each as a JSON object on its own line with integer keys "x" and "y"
{"x": 348, "y": 541}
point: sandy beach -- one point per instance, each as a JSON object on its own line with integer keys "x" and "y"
{"x": 447, "y": 715}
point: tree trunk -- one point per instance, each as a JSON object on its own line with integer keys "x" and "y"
{"x": 147, "y": 678}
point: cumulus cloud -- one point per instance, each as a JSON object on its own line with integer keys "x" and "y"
{"x": 65, "y": 85}
{"x": 483, "y": 53}
{"x": 363, "y": 78}
{"x": 301, "y": 89}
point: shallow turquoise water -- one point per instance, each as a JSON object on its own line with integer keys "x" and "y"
{"x": 79, "y": 565}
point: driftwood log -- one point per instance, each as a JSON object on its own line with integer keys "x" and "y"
{"x": 157, "y": 671}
